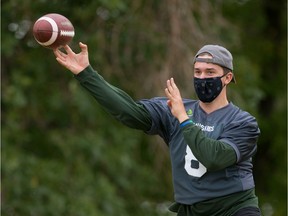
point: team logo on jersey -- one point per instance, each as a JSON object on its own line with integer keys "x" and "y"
{"x": 189, "y": 112}
{"x": 207, "y": 128}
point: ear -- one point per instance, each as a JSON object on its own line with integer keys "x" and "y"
{"x": 228, "y": 78}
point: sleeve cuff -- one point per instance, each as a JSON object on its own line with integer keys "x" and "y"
{"x": 186, "y": 122}
{"x": 84, "y": 74}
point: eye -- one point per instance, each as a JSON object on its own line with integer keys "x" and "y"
{"x": 210, "y": 72}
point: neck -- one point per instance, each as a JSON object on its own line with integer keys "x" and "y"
{"x": 217, "y": 103}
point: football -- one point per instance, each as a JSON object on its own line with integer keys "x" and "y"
{"x": 53, "y": 31}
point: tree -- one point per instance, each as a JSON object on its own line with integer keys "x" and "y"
{"x": 63, "y": 155}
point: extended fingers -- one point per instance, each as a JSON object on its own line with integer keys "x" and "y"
{"x": 173, "y": 83}
{"x": 167, "y": 93}
{"x": 168, "y": 88}
{"x": 59, "y": 55}
{"x": 68, "y": 50}
{"x": 84, "y": 47}
{"x": 57, "y": 52}
{"x": 171, "y": 86}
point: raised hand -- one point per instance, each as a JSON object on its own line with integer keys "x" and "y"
{"x": 175, "y": 101}
{"x": 72, "y": 61}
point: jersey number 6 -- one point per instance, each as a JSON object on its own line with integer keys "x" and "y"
{"x": 192, "y": 166}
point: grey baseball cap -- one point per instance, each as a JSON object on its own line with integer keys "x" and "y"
{"x": 220, "y": 56}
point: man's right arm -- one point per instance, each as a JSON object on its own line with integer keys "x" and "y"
{"x": 114, "y": 100}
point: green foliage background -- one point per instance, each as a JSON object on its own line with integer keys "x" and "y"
{"x": 63, "y": 155}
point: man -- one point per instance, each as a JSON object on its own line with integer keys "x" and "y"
{"x": 211, "y": 141}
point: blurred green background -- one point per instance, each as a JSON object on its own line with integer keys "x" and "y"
{"x": 63, "y": 155}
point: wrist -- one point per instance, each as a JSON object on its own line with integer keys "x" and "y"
{"x": 79, "y": 69}
{"x": 186, "y": 122}
{"x": 183, "y": 118}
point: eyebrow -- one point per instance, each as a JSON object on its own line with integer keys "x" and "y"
{"x": 206, "y": 69}
{"x": 210, "y": 69}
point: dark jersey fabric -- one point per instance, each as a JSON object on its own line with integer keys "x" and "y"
{"x": 194, "y": 183}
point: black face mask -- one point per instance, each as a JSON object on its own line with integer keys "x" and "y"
{"x": 208, "y": 89}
